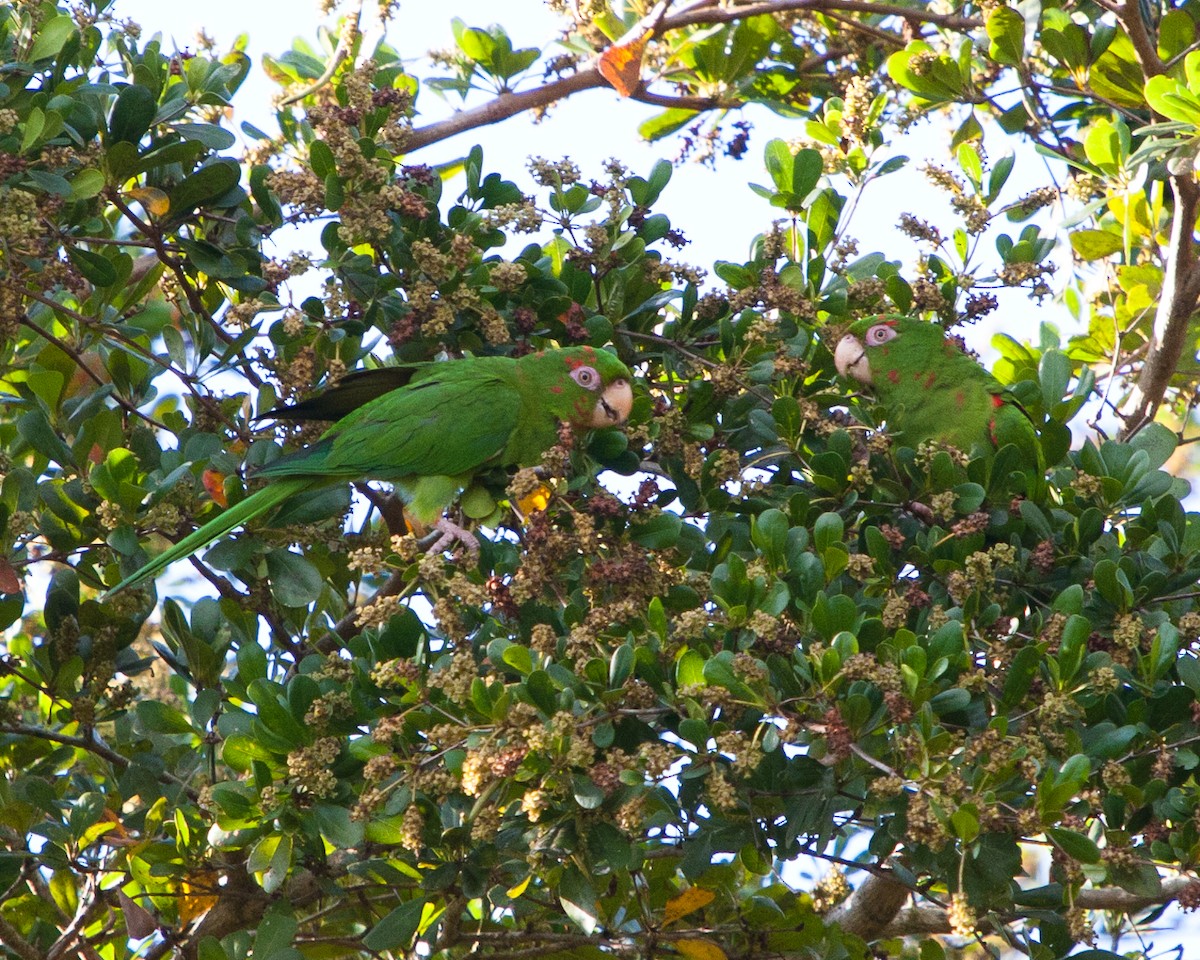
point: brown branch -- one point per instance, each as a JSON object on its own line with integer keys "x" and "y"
{"x": 1180, "y": 293}
{"x": 1130, "y": 14}
{"x": 504, "y": 106}
{"x": 80, "y": 362}
{"x": 924, "y": 921}
{"x": 871, "y": 908}
{"x": 93, "y": 746}
{"x": 507, "y": 105}
{"x": 11, "y": 938}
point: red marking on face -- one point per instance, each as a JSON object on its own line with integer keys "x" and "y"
{"x": 556, "y": 389}
{"x": 587, "y": 359}
{"x": 992, "y": 432}
{"x": 960, "y": 398}
{"x": 893, "y": 376}
{"x": 997, "y": 401}
{"x": 930, "y": 380}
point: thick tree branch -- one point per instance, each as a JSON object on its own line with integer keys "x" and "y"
{"x": 1180, "y": 293}
{"x": 871, "y": 908}
{"x": 1130, "y": 14}
{"x": 504, "y": 106}
{"x": 508, "y": 105}
{"x": 11, "y": 938}
{"x": 926, "y": 921}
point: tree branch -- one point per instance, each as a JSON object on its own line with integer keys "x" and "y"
{"x": 349, "y": 33}
{"x": 1180, "y": 293}
{"x": 510, "y": 104}
{"x": 11, "y": 938}
{"x": 871, "y": 908}
{"x": 924, "y": 921}
{"x": 1130, "y": 14}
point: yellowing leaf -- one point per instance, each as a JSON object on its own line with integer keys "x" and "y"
{"x": 514, "y": 893}
{"x": 699, "y": 949}
{"x": 155, "y": 201}
{"x": 198, "y": 896}
{"x": 687, "y": 902}
{"x": 535, "y": 502}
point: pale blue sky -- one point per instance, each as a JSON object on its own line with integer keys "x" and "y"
{"x": 715, "y": 208}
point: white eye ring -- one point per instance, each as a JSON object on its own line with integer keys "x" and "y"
{"x": 880, "y": 333}
{"x": 586, "y": 377}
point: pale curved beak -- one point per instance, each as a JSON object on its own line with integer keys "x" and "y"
{"x": 612, "y": 409}
{"x": 850, "y": 358}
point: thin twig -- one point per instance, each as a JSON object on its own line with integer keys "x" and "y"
{"x": 82, "y": 365}
{"x": 349, "y": 33}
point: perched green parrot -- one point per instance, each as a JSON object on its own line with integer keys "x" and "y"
{"x": 932, "y": 390}
{"x": 430, "y": 436}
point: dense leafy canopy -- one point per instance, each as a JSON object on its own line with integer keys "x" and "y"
{"x": 620, "y": 728}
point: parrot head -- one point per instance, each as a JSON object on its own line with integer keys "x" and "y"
{"x": 931, "y": 388}
{"x": 888, "y": 352}
{"x": 589, "y": 388}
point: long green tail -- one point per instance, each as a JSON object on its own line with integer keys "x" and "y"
{"x": 254, "y": 505}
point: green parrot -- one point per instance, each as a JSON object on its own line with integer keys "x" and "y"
{"x": 430, "y": 436}
{"x": 932, "y": 390}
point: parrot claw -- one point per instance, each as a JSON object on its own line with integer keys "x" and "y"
{"x": 451, "y": 532}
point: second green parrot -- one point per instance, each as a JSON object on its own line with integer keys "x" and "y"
{"x": 432, "y": 435}
{"x": 932, "y": 390}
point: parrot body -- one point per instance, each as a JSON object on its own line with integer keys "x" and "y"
{"x": 932, "y": 390}
{"x": 430, "y": 436}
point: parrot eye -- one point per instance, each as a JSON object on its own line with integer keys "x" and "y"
{"x": 880, "y": 333}
{"x": 586, "y": 377}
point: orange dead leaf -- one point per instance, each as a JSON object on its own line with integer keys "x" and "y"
{"x": 699, "y": 949}
{"x": 155, "y": 202}
{"x": 10, "y": 582}
{"x": 621, "y": 64}
{"x": 535, "y": 502}
{"x": 198, "y": 895}
{"x": 214, "y": 483}
{"x": 691, "y": 900}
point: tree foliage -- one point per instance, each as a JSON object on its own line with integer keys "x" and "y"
{"x": 784, "y": 639}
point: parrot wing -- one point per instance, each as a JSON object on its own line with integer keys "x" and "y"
{"x": 444, "y": 425}
{"x": 354, "y": 390}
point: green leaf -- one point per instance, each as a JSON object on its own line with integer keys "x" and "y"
{"x": 1158, "y": 441}
{"x": 132, "y": 115}
{"x": 207, "y": 184}
{"x": 271, "y": 857}
{"x": 1077, "y": 846}
{"x": 52, "y": 36}
{"x": 1006, "y": 31}
{"x": 294, "y": 581}
{"x": 666, "y": 123}
{"x": 397, "y": 929}
{"x": 1095, "y": 244}
{"x": 96, "y": 269}
{"x": 159, "y": 717}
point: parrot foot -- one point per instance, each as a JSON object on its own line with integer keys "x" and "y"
{"x": 451, "y": 532}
